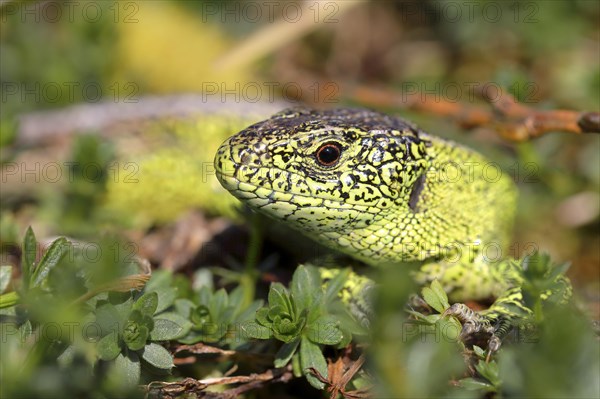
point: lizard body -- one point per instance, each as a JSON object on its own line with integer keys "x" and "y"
{"x": 377, "y": 188}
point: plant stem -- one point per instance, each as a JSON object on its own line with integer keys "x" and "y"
{"x": 248, "y": 280}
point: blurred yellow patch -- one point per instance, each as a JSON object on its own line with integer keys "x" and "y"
{"x": 171, "y": 49}
{"x": 172, "y": 171}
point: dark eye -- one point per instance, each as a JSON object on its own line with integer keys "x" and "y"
{"x": 328, "y": 154}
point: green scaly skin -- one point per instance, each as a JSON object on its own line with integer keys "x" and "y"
{"x": 394, "y": 195}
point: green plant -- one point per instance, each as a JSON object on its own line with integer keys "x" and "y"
{"x": 72, "y": 312}
{"x": 215, "y": 315}
{"x": 134, "y": 328}
{"x": 304, "y": 318}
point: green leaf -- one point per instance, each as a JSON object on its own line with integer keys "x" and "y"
{"x": 219, "y": 301}
{"x": 429, "y": 319}
{"x": 200, "y": 316}
{"x": 450, "y": 328}
{"x": 166, "y": 298}
{"x": 204, "y": 296}
{"x": 435, "y": 296}
{"x": 296, "y": 368}
{"x": 250, "y": 312}
{"x": 9, "y": 299}
{"x": 479, "y": 352}
{"x": 28, "y": 258}
{"x": 304, "y": 286}
{"x": 122, "y": 302}
{"x": 160, "y": 282}
{"x": 473, "y": 384}
{"x": 108, "y": 347}
{"x": 489, "y": 371}
{"x": 277, "y": 311}
{"x": 287, "y": 330}
{"x": 108, "y": 318}
{"x": 262, "y": 316}
{"x": 160, "y": 279}
{"x": 347, "y": 323}
{"x": 278, "y": 296}
{"x": 325, "y": 330}
{"x": 558, "y": 270}
{"x": 536, "y": 265}
{"x": 236, "y": 297}
{"x": 335, "y": 285}
{"x": 312, "y": 357}
{"x": 66, "y": 358}
{"x": 5, "y": 274}
{"x": 192, "y": 337}
{"x": 147, "y": 303}
{"x": 285, "y": 353}
{"x": 441, "y": 294}
{"x": 251, "y": 329}
{"x": 169, "y": 326}
{"x": 128, "y": 368}
{"x": 50, "y": 259}
{"x": 157, "y": 356}
{"x": 184, "y": 307}
{"x": 135, "y": 336}
{"x": 137, "y": 317}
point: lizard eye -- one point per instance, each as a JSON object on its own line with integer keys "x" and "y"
{"x": 328, "y": 154}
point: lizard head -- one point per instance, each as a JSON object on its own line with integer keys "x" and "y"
{"x": 343, "y": 175}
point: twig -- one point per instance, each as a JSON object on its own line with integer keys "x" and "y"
{"x": 512, "y": 120}
{"x": 222, "y": 354}
{"x": 122, "y": 284}
{"x": 340, "y": 373}
{"x": 43, "y": 127}
{"x": 189, "y": 386}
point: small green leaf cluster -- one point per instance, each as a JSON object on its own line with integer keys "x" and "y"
{"x": 133, "y": 329}
{"x": 34, "y": 280}
{"x": 133, "y": 326}
{"x": 443, "y": 327}
{"x": 488, "y": 374}
{"x": 215, "y": 316}
{"x": 67, "y": 314}
{"x": 543, "y": 281}
{"x": 305, "y": 317}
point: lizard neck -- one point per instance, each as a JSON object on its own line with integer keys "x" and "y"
{"x": 464, "y": 199}
{"x": 460, "y": 202}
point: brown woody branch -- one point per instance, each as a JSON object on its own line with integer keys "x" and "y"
{"x": 340, "y": 372}
{"x": 219, "y": 354}
{"x": 512, "y": 120}
{"x": 190, "y": 386}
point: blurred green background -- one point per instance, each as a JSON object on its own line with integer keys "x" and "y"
{"x": 56, "y": 54}
{"x": 246, "y": 59}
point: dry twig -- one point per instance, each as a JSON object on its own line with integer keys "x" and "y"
{"x": 340, "y": 373}
{"x": 187, "y": 386}
{"x": 512, "y": 120}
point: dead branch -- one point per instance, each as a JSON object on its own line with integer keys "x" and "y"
{"x": 42, "y": 127}
{"x": 512, "y": 120}
{"x": 189, "y": 386}
{"x": 221, "y": 354}
{"x": 340, "y": 373}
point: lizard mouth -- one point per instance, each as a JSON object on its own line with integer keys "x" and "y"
{"x": 264, "y": 190}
